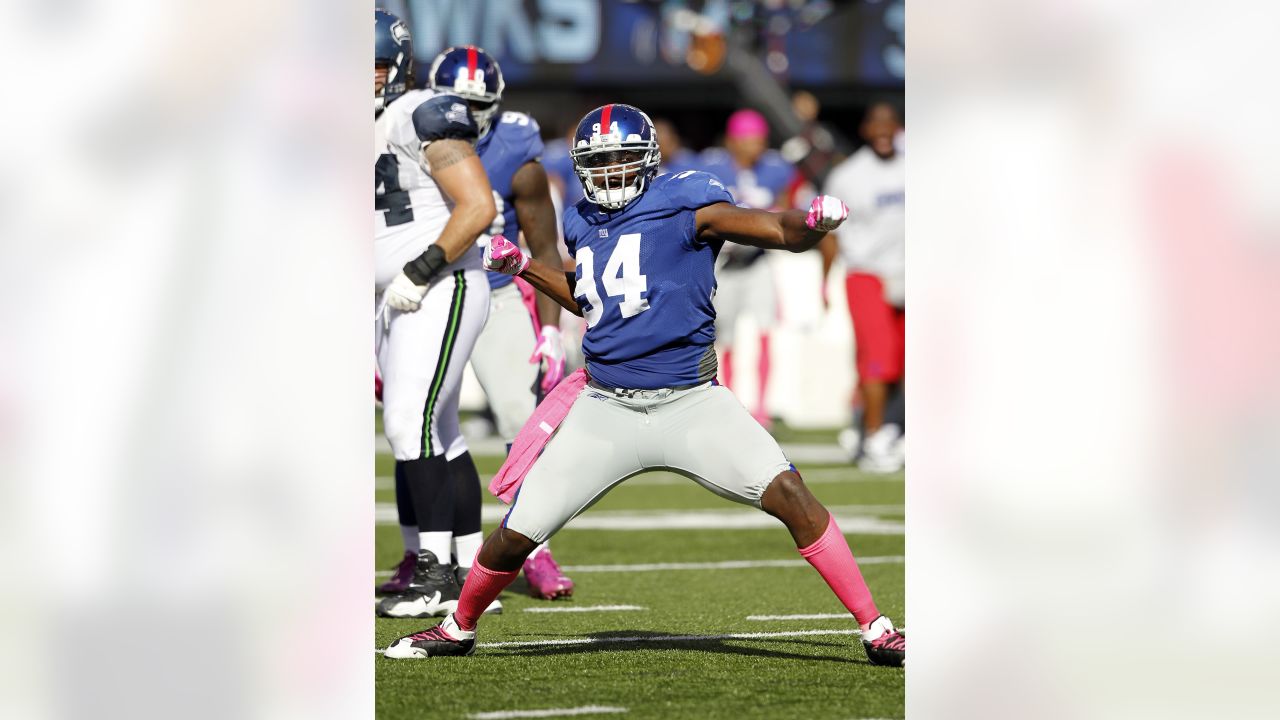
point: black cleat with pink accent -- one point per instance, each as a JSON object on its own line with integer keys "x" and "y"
{"x": 889, "y": 647}
{"x": 444, "y": 639}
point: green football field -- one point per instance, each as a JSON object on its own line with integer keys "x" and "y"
{"x": 719, "y": 618}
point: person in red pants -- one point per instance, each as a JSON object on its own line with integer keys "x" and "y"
{"x": 872, "y": 246}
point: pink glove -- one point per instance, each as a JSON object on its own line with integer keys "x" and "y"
{"x": 502, "y": 255}
{"x": 551, "y": 349}
{"x": 826, "y": 213}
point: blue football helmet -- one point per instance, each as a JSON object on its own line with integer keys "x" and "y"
{"x": 392, "y": 48}
{"x": 615, "y": 154}
{"x": 470, "y": 72}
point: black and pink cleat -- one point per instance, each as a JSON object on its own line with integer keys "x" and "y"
{"x": 887, "y": 646}
{"x": 445, "y": 639}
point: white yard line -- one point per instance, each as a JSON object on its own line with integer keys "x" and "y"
{"x": 550, "y": 712}
{"x": 659, "y": 639}
{"x": 850, "y": 474}
{"x": 721, "y": 565}
{"x": 665, "y": 638}
{"x": 798, "y": 453}
{"x": 816, "y": 616}
{"x": 853, "y": 519}
{"x": 584, "y": 608}
{"x": 821, "y": 476}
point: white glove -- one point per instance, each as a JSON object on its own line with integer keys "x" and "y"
{"x": 502, "y": 255}
{"x": 826, "y": 213}
{"x": 403, "y": 295}
{"x": 551, "y": 349}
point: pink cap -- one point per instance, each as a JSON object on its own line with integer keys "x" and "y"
{"x": 747, "y": 123}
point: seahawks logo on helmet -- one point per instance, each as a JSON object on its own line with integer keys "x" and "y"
{"x": 399, "y": 31}
{"x": 457, "y": 113}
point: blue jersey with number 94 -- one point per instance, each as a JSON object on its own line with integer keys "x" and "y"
{"x": 645, "y": 282}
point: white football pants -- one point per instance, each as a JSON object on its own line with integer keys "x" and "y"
{"x": 421, "y": 356}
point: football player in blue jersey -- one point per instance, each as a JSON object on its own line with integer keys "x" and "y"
{"x": 645, "y": 250}
{"x": 519, "y": 355}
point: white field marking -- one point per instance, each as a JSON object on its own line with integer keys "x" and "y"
{"x": 584, "y": 608}
{"x": 853, "y": 519}
{"x": 721, "y": 565}
{"x": 476, "y": 446}
{"x": 659, "y": 639}
{"x": 816, "y": 616}
{"x": 848, "y": 474}
{"x": 798, "y": 453}
{"x": 666, "y": 638}
{"x": 820, "y": 476}
{"x": 550, "y": 712}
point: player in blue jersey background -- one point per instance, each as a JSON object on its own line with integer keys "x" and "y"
{"x": 645, "y": 251}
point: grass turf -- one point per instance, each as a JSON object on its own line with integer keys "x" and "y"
{"x": 808, "y": 676}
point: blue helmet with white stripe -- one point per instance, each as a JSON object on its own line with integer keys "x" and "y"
{"x": 393, "y": 50}
{"x": 615, "y": 154}
{"x": 469, "y": 72}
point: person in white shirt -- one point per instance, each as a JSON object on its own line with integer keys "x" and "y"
{"x": 872, "y": 246}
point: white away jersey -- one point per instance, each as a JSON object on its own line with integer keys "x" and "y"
{"x": 873, "y": 239}
{"x": 410, "y": 211}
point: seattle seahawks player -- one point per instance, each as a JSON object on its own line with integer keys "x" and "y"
{"x": 513, "y": 344}
{"x": 432, "y": 199}
{"x": 645, "y": 250}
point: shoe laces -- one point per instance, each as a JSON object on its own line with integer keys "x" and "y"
{"x": 896, "y": 640}
{"x": 552, "y": 566}
{"x": 433, "y": 633}
{"x": 544, "y": 564}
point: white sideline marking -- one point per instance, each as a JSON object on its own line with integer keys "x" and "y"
{"x": 853, "y": 519}
{"x": 722, "y": 565}
{"x": 550, "y": 712}
{"x": 820, "y": 476}
{"x": 666, "y": 638}
{"x": 817, "y": 616}
{"x": 798, "y": 453}
{"x": 584, "y": 608}
{"x": 659, "y": 638}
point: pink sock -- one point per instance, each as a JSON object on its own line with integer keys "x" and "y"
{"x": 831, "y": 557}
{"x": 482, "y": 586}
{"x": 763, "y": 369}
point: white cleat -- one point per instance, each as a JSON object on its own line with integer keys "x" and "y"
{"x": 884, "y": 451}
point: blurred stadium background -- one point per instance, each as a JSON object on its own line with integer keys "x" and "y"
{"x": 811, "y": 67}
